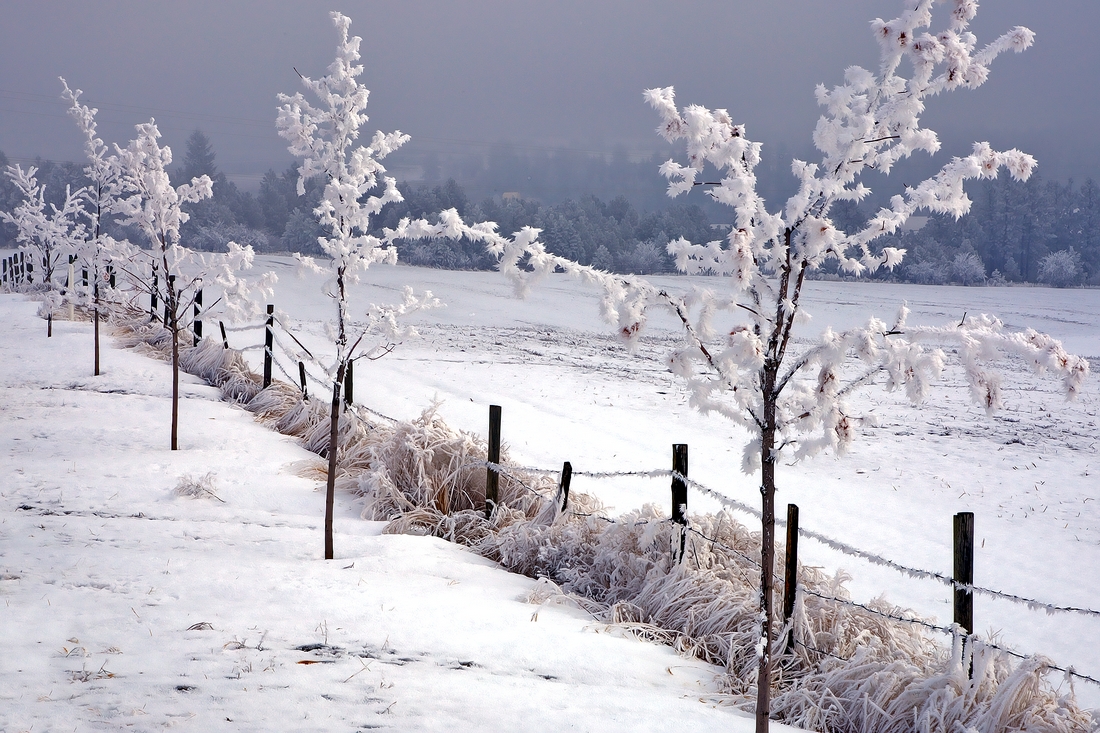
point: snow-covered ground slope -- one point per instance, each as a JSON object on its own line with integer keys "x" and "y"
{"x": 128, "y": 606}
{"x": 571, "y": 392}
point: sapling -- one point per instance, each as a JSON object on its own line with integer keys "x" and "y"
{"x": 324, "y": 134}
{"x": 48, "y": 235}
{"x": 98, "y": 251}
{"x": 792, "y": 398}
{"x": 150, "y": 202}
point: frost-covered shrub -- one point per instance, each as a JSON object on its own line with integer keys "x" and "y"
{"x": 926, "y": 273}
{"x": 215, "y": 238}
{"x": 967, "y": 269}
{"x": 1060, "y": 269}
{"x": 645, "y": 258}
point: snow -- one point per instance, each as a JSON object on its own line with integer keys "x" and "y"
{"x": 104, "y": 571}
{"x": 251, "y": 568}
{"x": 570, "y": 391}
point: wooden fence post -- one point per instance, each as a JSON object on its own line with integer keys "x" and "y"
{"x": 169, "y": 317}
{"x": 492, "y": 476}
{"x": 269, "y": 342}
{"x": 680, "y": 492}
{"x": 349, "y": 383}
{"x": 153, "y": 295}
{"x": 49, "y": 324}
{"x": 302, "y": 376}
{"x": 563, "y": 487}
{"x": 196, "y": 325}
{"x": 964, "y": 570}
{"x": 225, "y": 341}
{"x": 4, "y": 274}
{"x": 790, "y": 577}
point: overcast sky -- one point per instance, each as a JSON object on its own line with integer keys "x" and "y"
{"x": 563, "y": 74}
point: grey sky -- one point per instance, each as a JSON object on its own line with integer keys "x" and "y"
{"x": 567, "y": 73}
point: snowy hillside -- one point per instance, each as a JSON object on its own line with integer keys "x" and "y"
{"x": 569, "y": 391}
{"x": 129, "y": 606}
{"x": 423, "y": 635}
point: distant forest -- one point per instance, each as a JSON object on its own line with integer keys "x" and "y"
{"x": 613, "y": 214}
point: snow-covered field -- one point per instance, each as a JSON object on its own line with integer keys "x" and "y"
{"x": 103, "y": 568}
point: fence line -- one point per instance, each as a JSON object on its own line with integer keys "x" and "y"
{"x": 730, "y": 503}
{"x": 734, "y": 504}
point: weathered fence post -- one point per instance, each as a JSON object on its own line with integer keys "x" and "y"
{"x": 84, "y": 278}
{"x": 492, "y": 475}
{"x": 173, "y": 297}
{"x": 225, "y": 341}
{"x": 680, "y": 492}
{"x": 349, "y": 383}
{"x": 790, "y": 577}
{"x": 71, "y": 285}
{"x": 269, "y": 343}
{"x": 153, "y": 295}
{"x": 964, "y": 574}
{"x": 49, "y": 324}
{"x": 4, "y": 274}
{"x": 563, "y": 488}
{"x": 964, "y": 570}
{"x": 28, "y": 266}
{"x": 196, "y": 326}
{"x": 302, "y": 376}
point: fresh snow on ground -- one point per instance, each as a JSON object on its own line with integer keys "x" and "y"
{"x": 126, "y": 606}
{"x": 570, "y": 391}
{"x": 434, "y": 636}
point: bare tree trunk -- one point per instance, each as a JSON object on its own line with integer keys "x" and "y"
{"x": 95, "y": 315}
{"x": 333, "y": 444}
{"x": 767, "y": 546}
{"x": 175, "y": 385}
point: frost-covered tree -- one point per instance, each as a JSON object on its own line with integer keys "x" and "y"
{"x": 356, "y": 189}
{"x": 98, "y": 251}
{"x": 1060, "y": 269}
{"x": 324, "y": 134}
{"x": 167, "y": 270}
{"x": 738, "y": 358}
{"x": 47, "y": 234}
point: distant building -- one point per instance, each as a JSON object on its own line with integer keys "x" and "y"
{"x": 511, "y": 196}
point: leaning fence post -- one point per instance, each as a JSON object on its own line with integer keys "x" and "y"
{"x": 680, "y": 491}
{"x": 269, "y": 342}
{"x": 225, "y": 341}
{"x": 302, "y": 376}
{"x": 492, "y": 475}
{"x": 196, "y": 326}
{"x": 349, "y": 383}
{"x": 49, "y": 324}
{"x": 563, "y": 488}
{"x": 790, "y": 577}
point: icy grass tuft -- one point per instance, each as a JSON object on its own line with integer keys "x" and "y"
{"x": 850, "y": 669}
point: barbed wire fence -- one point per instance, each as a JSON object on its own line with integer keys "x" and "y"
{"x": 303, "y": 356}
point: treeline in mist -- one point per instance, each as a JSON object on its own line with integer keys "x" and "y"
{"x": 614, "y": 214}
